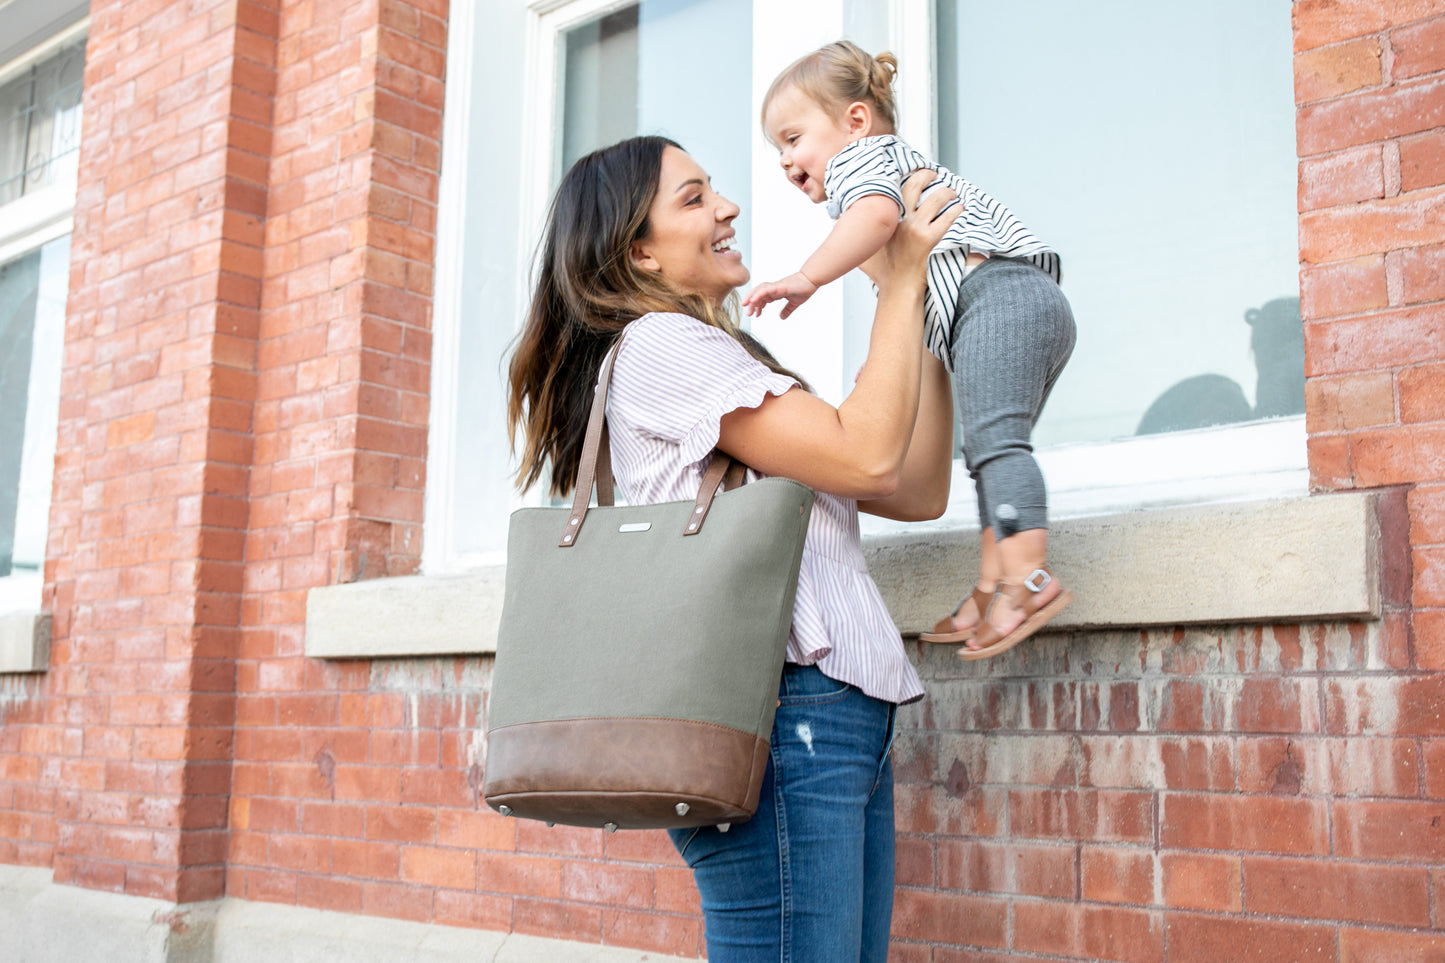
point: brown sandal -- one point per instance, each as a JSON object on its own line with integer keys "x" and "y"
{"x": 1036, "y": 616}
{"x": 944, "y": 630}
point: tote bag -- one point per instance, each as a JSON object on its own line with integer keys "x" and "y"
{"x": 640, "y": 648}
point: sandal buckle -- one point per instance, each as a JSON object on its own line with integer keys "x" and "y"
{"x": 1038, "y": 579}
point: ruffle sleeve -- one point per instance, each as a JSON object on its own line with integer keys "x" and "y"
{"x": 686, "y": 375}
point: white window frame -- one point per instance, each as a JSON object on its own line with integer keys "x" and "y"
{"x": 1265, "y": 459}
{"x": 26, "y": 224}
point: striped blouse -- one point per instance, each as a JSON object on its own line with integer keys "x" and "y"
{"x": 673, "y": 380}
{"x": 878, "y": 165}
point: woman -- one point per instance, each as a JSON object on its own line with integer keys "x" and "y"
{"x": 639, "y": 243}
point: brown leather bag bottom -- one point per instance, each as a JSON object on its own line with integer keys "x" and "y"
{"x": 631, "y": 773}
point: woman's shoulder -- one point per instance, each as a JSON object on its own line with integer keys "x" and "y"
{"x": 672, "y": 341}
{"x": 678, "y": 363}
{"x": 661, "y": 326}
{"x": 675, "y": 377}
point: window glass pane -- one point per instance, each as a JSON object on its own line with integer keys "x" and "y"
{"x": 600, "y": 100}
{"x": 54, "y": 142}
{"x": 14, "y": 116}
{"x": 1152, "y": 146}
{"x": 40, "y": 123}
{"x": 42, "y": 410}
{"x": 19, "y": 287}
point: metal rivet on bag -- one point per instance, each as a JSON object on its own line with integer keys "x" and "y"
{"x": 682, "y": 808}
{"x": 573, "y": 521}
{"x": 505, "y": 810}
{"x": 697, "y": 510}
{"x": 610, "y": 827}
{"x": 566, "y": 538}
{"x": 692, "y": 527}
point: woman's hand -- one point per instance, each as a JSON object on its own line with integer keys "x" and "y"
{"x": 904, "y": 258}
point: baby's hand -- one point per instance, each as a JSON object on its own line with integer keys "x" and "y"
{"x": 795, "y": 289}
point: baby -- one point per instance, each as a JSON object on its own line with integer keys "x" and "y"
{"x": 1005, "y": 334}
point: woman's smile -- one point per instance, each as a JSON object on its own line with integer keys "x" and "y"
{"x": 724, "y": 246}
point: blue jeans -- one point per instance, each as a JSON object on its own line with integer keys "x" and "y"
{"x": 810, "y": 876}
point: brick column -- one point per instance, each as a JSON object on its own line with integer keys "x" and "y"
{"x": 343, "y": 379}
{"x": 1370, "y": 85}
{"x": 149, "y": 512}
{"x": 1371, "y": 128}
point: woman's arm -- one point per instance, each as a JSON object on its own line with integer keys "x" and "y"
{"x": 928, "y": 468}
{"x": 859, "y": 449}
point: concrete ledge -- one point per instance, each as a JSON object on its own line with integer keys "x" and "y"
{"x": 1286, "y": 560}
{"x": 24, "y": 642}
{"x": 41, "y": 922}
{"x": 1290, "y": 560}
{"x": 407, "y": 616}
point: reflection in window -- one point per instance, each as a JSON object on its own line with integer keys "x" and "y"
{"x": 1152, "y": 146}
{"x": 32, "y": 323}
{"x": 40, "y": 123}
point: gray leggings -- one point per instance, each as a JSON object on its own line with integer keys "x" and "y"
{"x": 1013, "y": 331}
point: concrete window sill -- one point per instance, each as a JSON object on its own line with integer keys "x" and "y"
{"x": 1281, "y": 561}
{"x": 24, "y": 642}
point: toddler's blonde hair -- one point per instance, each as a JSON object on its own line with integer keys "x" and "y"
{"x": 838, "y": 74}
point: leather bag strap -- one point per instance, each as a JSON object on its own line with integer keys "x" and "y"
{"x": 595, "y": 466}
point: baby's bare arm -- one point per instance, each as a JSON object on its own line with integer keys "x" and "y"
{"x": 857, "y": 235}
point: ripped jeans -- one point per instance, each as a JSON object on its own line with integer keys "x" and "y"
{"x": 810, "y": 876}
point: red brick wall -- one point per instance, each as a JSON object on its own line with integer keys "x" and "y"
{"x": 149, "y": 508}
{"x": 245, "y": 400}
{"x": 336, "y": 789}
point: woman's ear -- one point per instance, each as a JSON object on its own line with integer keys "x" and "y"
{"x": 637, "y": 253}
{"x": 859, "y": 118}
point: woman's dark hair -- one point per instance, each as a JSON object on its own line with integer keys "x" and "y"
{"x": 587, "y": 290}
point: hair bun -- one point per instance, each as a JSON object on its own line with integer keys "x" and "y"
{"x": 889, "y": 62}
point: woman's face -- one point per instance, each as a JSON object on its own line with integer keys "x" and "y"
{"x": 690, "y": 237}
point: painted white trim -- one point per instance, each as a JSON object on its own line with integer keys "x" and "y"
{"x": 20, "y": 592}
{"x": 44, "y": 49}
{"x": 24, "y": 642}
{"x": 911, "y": 39}
{"x": 35, "y": 219}
{"x": 438, "y": 532}
{"x": 547, "y": 21}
